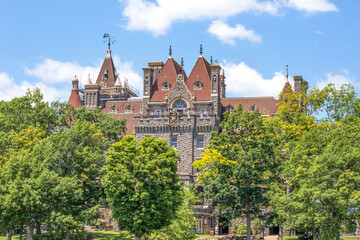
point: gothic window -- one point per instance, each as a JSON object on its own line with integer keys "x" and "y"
{"x": 173, "y": 141}
{"x": 252, "y": 108}
{"x": 179, "y": 105}
{"x": 200, "y": 141}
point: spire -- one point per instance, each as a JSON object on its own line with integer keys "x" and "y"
{"x": 88, "y": 82}
{"x": 118, "y": 82}
{"x": 74, "y": 96}
{"x": 201, "y": 50}
{"x": 170, "y": 51}
{"x": 287, "y": 73}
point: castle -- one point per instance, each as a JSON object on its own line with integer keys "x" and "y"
{"x": 183, "y": 109}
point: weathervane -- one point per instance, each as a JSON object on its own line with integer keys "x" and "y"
{"x": 109, "y": 41}
{"x": 211, "y": 60}
{"x": 182, "y": 62}
{"x": 201, "y": 50}
{"x": 170, "y": 51}
{"x": 287, "y": 73}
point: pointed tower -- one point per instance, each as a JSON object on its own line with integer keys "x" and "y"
{"x": 75, "y": 97}
{"x": 107, "y": 77}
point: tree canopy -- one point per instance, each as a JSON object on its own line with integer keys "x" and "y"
{"x": 141, "y": 184}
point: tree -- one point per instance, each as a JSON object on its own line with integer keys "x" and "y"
{"x": 236, "y": 167}
{"x": 28, "y": 191}
{"x": 141, "y": 184}
{"x": 77, "y": 152}
{"x": 182, "y": 227}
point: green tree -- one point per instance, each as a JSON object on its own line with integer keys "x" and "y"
{"x": 77, "y": 152}
{"x": 183, "y": 226}
{"x": 28, "y": 191}
{"x": 141, "y": 184}
{"x": 236, "y": 167}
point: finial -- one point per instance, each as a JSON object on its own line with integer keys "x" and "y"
{"x": 170, "y": 51}
{"x": 109, "y": 40}
{"x": 182, "y": 62}
{"x": 201, "y": 50}
{"x": 287, "y": 73}
{"x": 211, "y": 61}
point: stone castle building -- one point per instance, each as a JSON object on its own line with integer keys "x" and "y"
{"x": 182, "y": 108}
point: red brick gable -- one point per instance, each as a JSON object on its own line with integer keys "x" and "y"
{"x": 266, "y": 105}
{"x": 75, "y": 99}
{"x": 201, "y": 72}
{"x": 108, "y": 65}
{"x": 170, "y": 71}
{"x": 287, "y": 87}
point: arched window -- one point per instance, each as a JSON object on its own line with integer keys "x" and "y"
{"x": 180, "y": 105}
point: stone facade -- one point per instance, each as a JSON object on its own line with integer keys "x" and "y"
{"x": 184, "y": 110}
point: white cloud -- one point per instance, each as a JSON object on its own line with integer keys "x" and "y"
{"x": 336, "y": 79}
{"x": 10, "y": 89}
{"x": 53, "y": 71}
{"x": 242, "y": 80}
{"x": 228, "y": 34}
{"x": 159, "y": 15}
{"x": 312, "y": 5}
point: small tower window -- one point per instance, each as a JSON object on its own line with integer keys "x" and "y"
{"x": 252, "y": 108}
{"x": 106, "y": 74}
{"x": 113, "y": 109}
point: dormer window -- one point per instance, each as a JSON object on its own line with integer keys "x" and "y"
{"x": 197, "y": 85}
{"x": 165, "y": 85}
{"x": 252, "y": 108}
{"x": 106, "y": 74}
{"x": 113, "y": 109}
{"x": 128, "y": 108}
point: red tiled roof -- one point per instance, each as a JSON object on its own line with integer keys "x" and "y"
{"x": 121, "y": 112}
{"x": 108, "y": 65}
{"x": 75, "y": 99}
{"x": 170, "y": 70}
{"x": 266, "y": 105}
{"x": 202, "y": 72}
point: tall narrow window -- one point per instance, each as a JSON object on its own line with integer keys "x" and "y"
{"x": 200, "y": 141}
{"x": 173, "y": 141}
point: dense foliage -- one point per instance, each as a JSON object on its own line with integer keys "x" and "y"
{"x": 141, "y": 184}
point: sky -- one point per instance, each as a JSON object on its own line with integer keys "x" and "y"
{"x": 46, "y": 43}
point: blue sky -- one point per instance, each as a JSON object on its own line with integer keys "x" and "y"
{"x": 45, "y": 43}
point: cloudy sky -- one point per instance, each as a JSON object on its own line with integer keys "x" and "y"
{"x": 45, "y": 43}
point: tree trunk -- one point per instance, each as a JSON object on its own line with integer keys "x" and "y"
{"x": 67, "y": 234}
{"x": 248, "y": 223}
{"x": 314, "y": 233}
{"x": 280, "y": 232}
{"x": 38, "y": 228}
{"x": 8, "y": 235}
{"x": 338, "y": 236}
{"x": 29, "y": 233}
{"x": 137, "y": 238}
{"x": 262, "y": 229}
